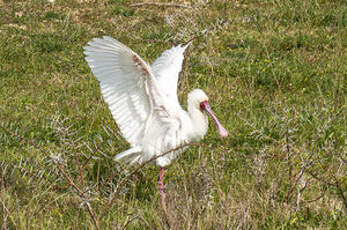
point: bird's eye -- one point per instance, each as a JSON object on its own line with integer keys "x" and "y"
{"x": 203, "y": 105}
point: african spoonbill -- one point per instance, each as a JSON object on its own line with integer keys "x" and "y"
{"x": 143, "y": 101}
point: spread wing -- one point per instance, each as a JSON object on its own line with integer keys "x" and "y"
{"x": 166, "y": 70}
{"x": 127, "y": 85}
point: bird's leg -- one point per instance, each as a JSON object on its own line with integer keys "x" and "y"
{"x": 161, "y": 188}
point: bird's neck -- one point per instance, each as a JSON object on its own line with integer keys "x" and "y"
{"x": 199, "y": 123}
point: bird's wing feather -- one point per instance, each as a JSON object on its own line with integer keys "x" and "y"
{"x": 172, "y": 139}
{"x": 127, "y": 85}
{"x": 166, "y": 70}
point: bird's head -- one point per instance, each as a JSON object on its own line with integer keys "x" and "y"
{"x": 199, "y": 100}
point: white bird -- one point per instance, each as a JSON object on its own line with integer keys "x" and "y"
{"x": 143, "y": 101}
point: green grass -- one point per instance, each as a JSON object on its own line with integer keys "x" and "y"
{"x": 275, "y": 72}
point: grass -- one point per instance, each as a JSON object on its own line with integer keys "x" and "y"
{"x": 275, "y": 73}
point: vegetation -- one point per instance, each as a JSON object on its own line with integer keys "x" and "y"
{"x": 275, "y": 73}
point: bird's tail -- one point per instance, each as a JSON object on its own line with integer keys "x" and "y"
{"x": 131, "y": 155}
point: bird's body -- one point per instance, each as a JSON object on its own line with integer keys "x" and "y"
{"x": 143, "y": 101}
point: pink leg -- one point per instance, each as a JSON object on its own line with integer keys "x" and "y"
{"x": 161, "y": 188}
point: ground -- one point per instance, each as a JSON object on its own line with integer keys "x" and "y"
{"x": 275, "y": 73}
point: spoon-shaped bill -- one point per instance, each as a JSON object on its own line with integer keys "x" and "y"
{"x": 221, "y": 130}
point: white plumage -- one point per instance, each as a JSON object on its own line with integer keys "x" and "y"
{"x": 143, "y": 100}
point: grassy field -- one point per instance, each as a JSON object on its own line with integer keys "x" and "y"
{"x": 275, "y": 72}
